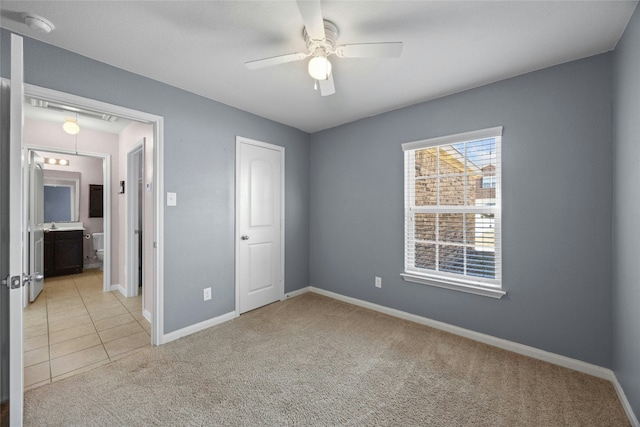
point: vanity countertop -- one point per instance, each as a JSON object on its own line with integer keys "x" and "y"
{"x": 63, "y": 226}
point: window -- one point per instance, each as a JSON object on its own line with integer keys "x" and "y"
{"x": 452, "y": 212}
{"x": 489, "y": 181}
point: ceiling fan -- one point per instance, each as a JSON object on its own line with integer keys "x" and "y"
{"x": 320, "y": 37}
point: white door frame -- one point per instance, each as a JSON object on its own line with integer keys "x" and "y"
{"x": 106, "y": 200}
{"x": 132, "y": 197}
{"x": 239, "y": 141}
{"x": 157, "y": 317}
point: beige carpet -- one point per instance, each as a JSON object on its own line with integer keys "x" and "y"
{"x": 312, "y": 360}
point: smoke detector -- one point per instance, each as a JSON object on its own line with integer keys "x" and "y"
{"x": 38, "y": 23}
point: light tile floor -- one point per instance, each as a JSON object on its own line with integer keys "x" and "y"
{"x": 73, "y": 326}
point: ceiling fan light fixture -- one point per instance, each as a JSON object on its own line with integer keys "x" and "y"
{"x": 319, "y": 68}
{"x": 70, "y": 126}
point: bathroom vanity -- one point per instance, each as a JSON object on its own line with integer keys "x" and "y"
{"x": 63, "y": 249}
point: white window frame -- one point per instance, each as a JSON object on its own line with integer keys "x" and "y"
{"x": 459, "y": 282}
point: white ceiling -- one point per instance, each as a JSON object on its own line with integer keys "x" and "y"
{"x": 449, "y": 46}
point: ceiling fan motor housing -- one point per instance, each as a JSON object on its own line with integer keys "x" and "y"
{"x": 326, "y": 46}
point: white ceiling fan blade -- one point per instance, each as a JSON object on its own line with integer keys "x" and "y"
{"x": 312, "y": 18}
{"x": 326, "y": 86}
{"x": 370, "y": 50}
{"x": 275, "y": 60}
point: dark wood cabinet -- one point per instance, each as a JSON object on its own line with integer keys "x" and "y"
{"x": 48, "y": 254}
{"x": 62, "y": 253}
{"x": 95, "y": 201}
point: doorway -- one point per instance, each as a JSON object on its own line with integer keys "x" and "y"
{"x": 153, "y": 332}
{"x": 16, "y": 259}
{"x": 81, "y": 171}
{"x": 154, "y": 172}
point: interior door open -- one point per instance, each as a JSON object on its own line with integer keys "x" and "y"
{"x": 135, "y": 215}
{"x": 259, "y": 224}
{"x": 17, "y": 233}
{"x": 36, "y": 225}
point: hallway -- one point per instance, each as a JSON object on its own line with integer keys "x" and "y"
{"x": 73, "y": 326}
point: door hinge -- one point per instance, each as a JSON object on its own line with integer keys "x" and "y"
{"x": 13, "y": 282}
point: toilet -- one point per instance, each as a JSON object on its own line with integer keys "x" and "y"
{"x": 98, "y": 246}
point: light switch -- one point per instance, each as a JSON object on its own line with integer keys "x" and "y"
{"x": 171, "y": 199}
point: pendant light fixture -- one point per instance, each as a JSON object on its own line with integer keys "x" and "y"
{"x": 70, "y": 126}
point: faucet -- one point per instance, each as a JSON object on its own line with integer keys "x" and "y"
{"x": 53, "y": 226}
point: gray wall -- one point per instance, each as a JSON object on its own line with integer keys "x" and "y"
{"x": 557, "y": 169}
{"x": 558, "y": 176}
{"x": 626, "y": 211}
{"x": 200, "y": 167}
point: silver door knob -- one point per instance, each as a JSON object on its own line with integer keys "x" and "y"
{"x": 35, "y": 277}
{"x": 244, "y": 237}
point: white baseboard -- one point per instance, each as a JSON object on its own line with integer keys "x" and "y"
{"x": 118, "y": 288}
{"x": 556, "y": 359}
{"x": 297, "y": 292}
{"x": 624, "y": 401}
{"x": 147, "y": 315}
{"x": 197, "y": 327}
{"x": 92, "y": 265}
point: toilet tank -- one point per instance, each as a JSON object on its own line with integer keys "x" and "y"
{"x": 98, "y": 241}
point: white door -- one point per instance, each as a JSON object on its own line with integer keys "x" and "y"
{"x": 134, "y": 219}
{"x": 36, "y": 224}
{"x": 17, "y": 232}
{"x": 259, "y": 224}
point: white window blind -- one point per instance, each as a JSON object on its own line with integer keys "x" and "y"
{"x": 452, "y": 210}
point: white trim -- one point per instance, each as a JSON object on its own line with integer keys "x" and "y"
{"x": 297, "y": 292}
{"x": 626, "y": 405}
{"x": 146, "y": 314}
{"x": 440, "y": 282}
{"x": 556, "y": 359}
{"x": 242, "y": 140}
{"x": 157, "y": 183}
{"x": 236, "y": 231}
{"x": 283, "y": 192}
{"x": 106, "y": 225}
{"x": 432, "y": 275}
{"x": 119, "y": 288}
{"x": 157, "y": 325}
{"x": 131, "y": 197}
{"x": 79, "y": 101}
{"x": 453, "y": 139}
{"x": 192, "y": 329}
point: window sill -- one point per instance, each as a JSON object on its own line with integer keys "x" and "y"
{"x": 440, "y": 283}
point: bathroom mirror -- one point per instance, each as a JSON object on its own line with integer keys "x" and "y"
{"x": 61, "y": 196}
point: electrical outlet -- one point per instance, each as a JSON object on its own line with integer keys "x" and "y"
{"x": 378, "y": 282}
{"x": 207, "y": 294}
